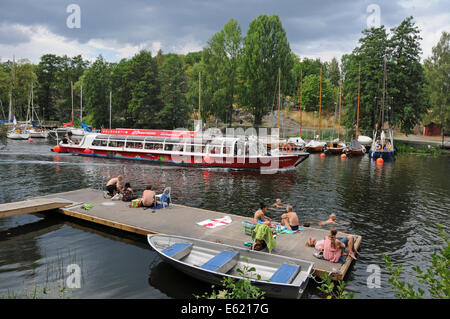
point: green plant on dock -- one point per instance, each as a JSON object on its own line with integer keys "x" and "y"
{"x": 334, "y": 290}
{"x": 436, "y": 278}
{"x": 237, "y": 289}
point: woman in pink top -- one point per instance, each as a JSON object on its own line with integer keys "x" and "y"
{"x": 345, "y": 241}
{"x": 332, "y": 247}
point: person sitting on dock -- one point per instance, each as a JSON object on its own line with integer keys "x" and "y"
{"x": 332, "y": 220}
{"x": 148, "y": 197}
{"x": 342, "y": 242}
{"x": 127, "y": 193}
{"x": 259, "y": 214}
{"x": 290, "y": 219}
{"x": 114, "y": 185}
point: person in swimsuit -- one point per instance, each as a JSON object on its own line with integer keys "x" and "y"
{"x": 113, "y": 186}
{"x": 332, "y": 220}
{"x": 259, "y": 214}
{"x": 345, "y": 241}
{"x": 290, "y": 218}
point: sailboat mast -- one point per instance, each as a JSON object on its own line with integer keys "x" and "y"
{"x": 32, "y": 103}
{"x": 384, "y": 92}
{"x": 320, "y": 98}
{"x": 359, "y": 90}
{"x": 340, "y": 103}
{"x": 71, "y": 93}
{"x": 301, "y": 100}
{"x": 110, "y": 108}
{"x": 279, "y": 104}
{"x": 81, "y": 104}
{"x": 199, "y": 94}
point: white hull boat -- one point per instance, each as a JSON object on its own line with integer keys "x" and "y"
{"x": 281, "y": 277}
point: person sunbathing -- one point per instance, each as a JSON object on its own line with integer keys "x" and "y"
{"x": 337, "y": 250}
{"x": 148, "y": 197}
{"x": 259, "y": 214}
{"x": 290, "y": 219}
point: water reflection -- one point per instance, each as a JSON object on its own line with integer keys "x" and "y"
{"x": 395, "y": 207}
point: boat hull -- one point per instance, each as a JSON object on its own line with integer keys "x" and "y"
{"x": 385, "y": 155}
{"x": 265, "y": 265}
{"x": 236, "y": 162}
{"x": 18, "y": 136}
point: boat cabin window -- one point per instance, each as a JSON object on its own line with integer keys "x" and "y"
{"x": 168, "y": 147}
{"x": 135, "y": 145}
{"x": 153, "y": 146}
{"x": 178, "y": 147}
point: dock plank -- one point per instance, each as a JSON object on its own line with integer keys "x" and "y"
{"x": 31, "y": 206}
{"x": 182, "y": 221}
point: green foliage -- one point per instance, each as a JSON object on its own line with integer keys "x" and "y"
{"x": 437, "y": 70}
{"x": 174, "y": 113}
{"x": 238, "y": 289}
{"x": 334, "y": 290}
{"x": 409, "y": 149}
{"x": 266, "y": 50}
{"x": 221, "y": 59}
{"x": 406, "y": 79}
{"x": 311, "y": 92}
{"x": 436, "y": 278}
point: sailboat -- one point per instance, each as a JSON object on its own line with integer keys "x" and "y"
{"x": 297, "y": 142}
{"x": 315, "y": 145}
{"x": 355, "y": 147}
{"x": 383, "y": 141}
{"x": 37, "y": 131}
{"x": 77, "y": 133}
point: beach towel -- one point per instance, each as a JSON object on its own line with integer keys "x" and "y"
{"x": 213, "y": 223}
{"x": 264, "y": 232}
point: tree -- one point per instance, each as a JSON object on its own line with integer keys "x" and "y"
{"x": 96, "y": 83}
{"x": 145, "y": 90}
{"x": 46, "y": 90}
{"x": 369, "y": 55}
{"x": 406, "y": 79}
{"x": 437, "y": 70}
{"x": 266, "y": 50}
{"x": 221, "y": 60}
{"x": 175, "y": 111}
{"x": 311, "y": 92}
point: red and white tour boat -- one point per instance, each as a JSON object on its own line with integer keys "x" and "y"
{"x": 181, "y": 148}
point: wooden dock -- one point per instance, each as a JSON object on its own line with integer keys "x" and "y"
{"x": 176, "y": 220}
{"x": 35, "y": 205}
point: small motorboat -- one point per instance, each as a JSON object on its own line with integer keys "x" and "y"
{"x": 297, "y": 143}
{"x": 38, "y": 133}
{"x": 355, "y": 148}
{"x": 365, "y": 141}
{"x": 280, "y": 276}
{"x": 335, "y": 147}
{"x": 18, "y": 134}
{"x": 314, "y": 146}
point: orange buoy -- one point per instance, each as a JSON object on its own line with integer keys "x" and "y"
{"x": 343, "y": 156}
{"x": 380, "y": 160}
{"x": 30, "y": 140}
{"x": 57, "y": 149}
{"x": 322, "y": 155}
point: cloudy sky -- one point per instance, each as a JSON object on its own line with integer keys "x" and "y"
{"x": 119, "y": 28}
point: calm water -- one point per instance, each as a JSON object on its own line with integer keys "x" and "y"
{"x": 394, "y": 207}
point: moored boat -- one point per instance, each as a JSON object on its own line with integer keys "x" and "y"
{"x": 335, "y": 147}
{"x": 383, "y": 147}
{"x": 181, "y": 148}
{"x": 315, "y": 146}
{"x": 280, "y": 276}
{"x": 355, "y": 148}
{"x": 18, "y": 134}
